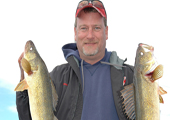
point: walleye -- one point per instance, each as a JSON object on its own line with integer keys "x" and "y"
{"x": 42, "y": 95}
{"x": 142, "y": 97}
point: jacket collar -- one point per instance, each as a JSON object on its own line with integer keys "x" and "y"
{"x": 114, "y": 59}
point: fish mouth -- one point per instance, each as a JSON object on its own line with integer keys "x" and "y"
{"x": 29, "y": 46}
{"x": 151, "y": 70}
{"x": 146, "y": 47}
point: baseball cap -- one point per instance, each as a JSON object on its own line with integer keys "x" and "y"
{"x": 98, "y": 5}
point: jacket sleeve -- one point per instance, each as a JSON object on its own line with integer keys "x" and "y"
{"x": 59, "y": 76}
{"x": 22, "y": 102}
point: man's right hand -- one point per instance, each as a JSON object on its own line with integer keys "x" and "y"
{"x": 22, "y": 71}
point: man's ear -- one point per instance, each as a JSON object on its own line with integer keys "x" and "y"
{"x": 106, "y": 32}
{"x": 75, "y": 32}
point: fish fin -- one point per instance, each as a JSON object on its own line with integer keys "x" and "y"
{"x": 54, "y": 95}
{"x": 161, "y": 99}
{"x": 26, "y": 66}
{"x": 22, "y": 86}
{"x": 55, "y": 118}
{"x": 128, "y": 103}
{"x": 158, "y": 72}
{"x": 162, "y": 91}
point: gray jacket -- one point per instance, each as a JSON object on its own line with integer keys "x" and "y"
{"x": 67, "y": 81}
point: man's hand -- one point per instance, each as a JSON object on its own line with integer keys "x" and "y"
{"x": 22, "y": 71}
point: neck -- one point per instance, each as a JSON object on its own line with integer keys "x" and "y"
{"x": 92, "y": 59}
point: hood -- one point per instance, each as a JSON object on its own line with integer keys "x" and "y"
{"x": 71, "y": 50}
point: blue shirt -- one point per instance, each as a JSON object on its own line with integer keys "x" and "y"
{"x": 98, "y": 102}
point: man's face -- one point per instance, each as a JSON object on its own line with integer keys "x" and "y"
{"x": 91, "y": 34}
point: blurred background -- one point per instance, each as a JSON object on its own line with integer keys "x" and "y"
{"x": 50, "y": 25}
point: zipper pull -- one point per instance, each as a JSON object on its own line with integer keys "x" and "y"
{"x": 124, "y": 80}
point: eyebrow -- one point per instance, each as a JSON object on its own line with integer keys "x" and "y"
{"x": 97, "y": 24}
{"x": 92, "y": 25}
{"x": 82, "y": 25}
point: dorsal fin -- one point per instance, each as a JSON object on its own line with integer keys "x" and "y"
{"x": 22, "y": 86}
{"x": 161, "y": 92}
{"x": 128, "y": 102}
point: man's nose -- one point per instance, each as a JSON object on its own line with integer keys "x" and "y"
{"x": 90, "y": 34}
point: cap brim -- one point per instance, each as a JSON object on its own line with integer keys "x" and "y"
{"x": 91, "y": 6}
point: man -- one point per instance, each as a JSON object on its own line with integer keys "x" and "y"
{"x": 89, "y": 85}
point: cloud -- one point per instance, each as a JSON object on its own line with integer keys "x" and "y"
{"x": 12, "y": 108}
{"x": 10, "y": 72}
{"x": 6, "y": 84}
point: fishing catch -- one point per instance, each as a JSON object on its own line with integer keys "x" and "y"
{"x": 141, "y": 98}
{"x": 42, "y": 94}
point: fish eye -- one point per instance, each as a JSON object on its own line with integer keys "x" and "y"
{"x": 31, "y": 48}
{"x": 141, "y": 53}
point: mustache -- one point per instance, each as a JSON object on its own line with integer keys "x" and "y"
{"x": 90, "y": 42}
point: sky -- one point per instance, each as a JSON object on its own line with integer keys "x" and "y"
{"x": 50, "y": 25}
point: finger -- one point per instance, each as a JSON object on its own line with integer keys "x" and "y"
{"x": 20, "y": 58}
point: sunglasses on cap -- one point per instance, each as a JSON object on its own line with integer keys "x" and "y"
{"x": 98, "y": 5}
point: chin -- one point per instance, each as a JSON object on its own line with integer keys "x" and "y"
{"x": 90, "y": 52}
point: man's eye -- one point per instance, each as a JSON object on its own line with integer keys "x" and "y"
{"x": 97, "y": 28}
{"x": 83, "y": 28}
